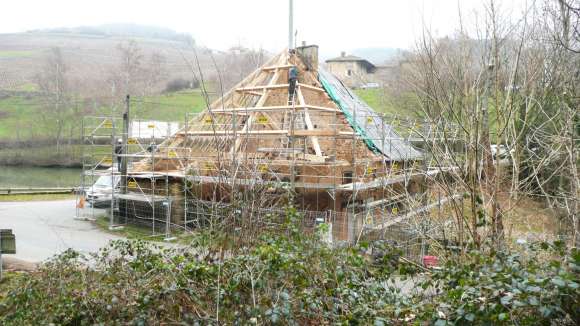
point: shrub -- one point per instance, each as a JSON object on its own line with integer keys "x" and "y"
{"x": 290, "y": 279}
{"x": 179, "y": 84}
{"x": 508, "y": 288}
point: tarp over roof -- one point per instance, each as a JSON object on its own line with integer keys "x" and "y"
{"x": 378, "y": 135}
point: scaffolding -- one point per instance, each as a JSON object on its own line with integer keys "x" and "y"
{"x": 256, "y": 151}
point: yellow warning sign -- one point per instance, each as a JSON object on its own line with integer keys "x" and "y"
{"x": 263, "y": 119}
{"x": 263, "y": 168}
{"x": 150, "y": 126}
{"x": 209, "y": 166}
{"x": 107, "y": 124}
{"x": 369, "y": 119}
{"x": 208, "y": 120}
{"x": 370, "y": 170}
{"x": 395, "y": 210}
{"x": 395, "y": 166}
{"x": 132, "y": 141}
{"x": 369, "y": 219}
{"x": 107, "y": 160}
{"x": 172, "y": 154}
{"x": 132, "y": 184}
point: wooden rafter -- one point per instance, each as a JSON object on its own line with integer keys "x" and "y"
{"x": 309, "y": 125}
{"x": 241, "y": 133}
{"x": 277, "y": 67}
{"x": 277, "y": 86}
{"x": 276, "y": 108}
{"x": 250, "y": 120}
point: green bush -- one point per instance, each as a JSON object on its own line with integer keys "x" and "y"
{"x": 290, "y": 279}
{"x": 534, "y": 287}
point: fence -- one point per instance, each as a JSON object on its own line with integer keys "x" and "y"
{"x": 189, "y": 179}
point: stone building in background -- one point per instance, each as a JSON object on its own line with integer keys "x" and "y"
{"x": 353, "y": 71}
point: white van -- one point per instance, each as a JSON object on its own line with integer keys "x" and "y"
{"x": 99, "y": 194}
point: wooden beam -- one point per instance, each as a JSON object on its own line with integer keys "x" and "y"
{"x": 260, "y": 88}
{"x": 275, "y": 108}
{"x": 314, "y": 133}
{"x": 228, "y": 95}
{"x": 314, "y": 88}
{"x": 278, "y": 86}
{"x": 309, "y": 125}
{"x": 300, "y": 133}
{"x": 250, "y": 120}
{"x": 277, "y": 67}
{"x": 315, "y": 158}
{"x": 322, "y": 108}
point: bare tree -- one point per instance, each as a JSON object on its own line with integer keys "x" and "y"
{"x": 155, "y": 72}
{"x": 239, "y": 62}
{"x": 128, "y": 76}
{"x": 53, "y": 83}
{"x": 511, "y": 87}
{"x": 564, "y": 21}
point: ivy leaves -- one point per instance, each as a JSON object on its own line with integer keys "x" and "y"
{"x": 295, "y": 279}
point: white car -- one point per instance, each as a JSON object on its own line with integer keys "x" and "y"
{"x": 370, "y": 85}
{"x": 500, "y": 151}
{"x": 100, "y": 193}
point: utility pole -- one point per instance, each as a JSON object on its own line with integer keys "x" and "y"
{"x": 291, "y": 25}
{"x": 124, "y": 150}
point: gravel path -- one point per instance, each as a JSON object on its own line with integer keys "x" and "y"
{"x": 45, "y": 228}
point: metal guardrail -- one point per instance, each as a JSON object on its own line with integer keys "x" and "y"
{"x": 37, "y": 190}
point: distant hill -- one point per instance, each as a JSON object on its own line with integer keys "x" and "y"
{"x": 122, "y": 30}
{"x": 377, "y": 56}
{"x": 92, "y": 58}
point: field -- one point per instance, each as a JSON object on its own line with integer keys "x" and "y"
{"x": 41, "y": 197}
{"x": 169, "y": 107}
{"x": 377, "y": 100}
{"x": 16, "y": 54}
{"x": 22, "y": 118}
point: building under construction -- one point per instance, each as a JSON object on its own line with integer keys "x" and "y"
{"x": 289, "y": 135}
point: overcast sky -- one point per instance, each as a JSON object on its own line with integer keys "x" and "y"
{"x": 333, "y": 24}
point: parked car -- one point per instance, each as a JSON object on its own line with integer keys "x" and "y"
{"x": 370, "y": 85}
{"x": 99, "y": 194}
{"x": 500, "y": 152}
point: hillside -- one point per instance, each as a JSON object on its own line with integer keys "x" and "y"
{"x": 122, "y": 30}
{"x": 90, "y": 57}
{"x": 165, "y": 74}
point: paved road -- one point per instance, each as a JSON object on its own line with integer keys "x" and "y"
{"x": 45, "y": 228}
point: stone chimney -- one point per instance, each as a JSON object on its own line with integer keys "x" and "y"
{"x": 309, "y": 54}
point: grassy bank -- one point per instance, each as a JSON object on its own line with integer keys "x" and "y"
{"x": 43, "y": 155}
{"x": 25, "y": 119}
{"x": 169, "y": 107}
{"x": 16, "y": 54}
{"x": 382, "y": 102}
{"x": 136, "y": 232}
{"x": 40, "y": 197}
{"x": 128, "y": 231}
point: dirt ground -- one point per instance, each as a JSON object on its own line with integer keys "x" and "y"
{"x": 528, "y": 219}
